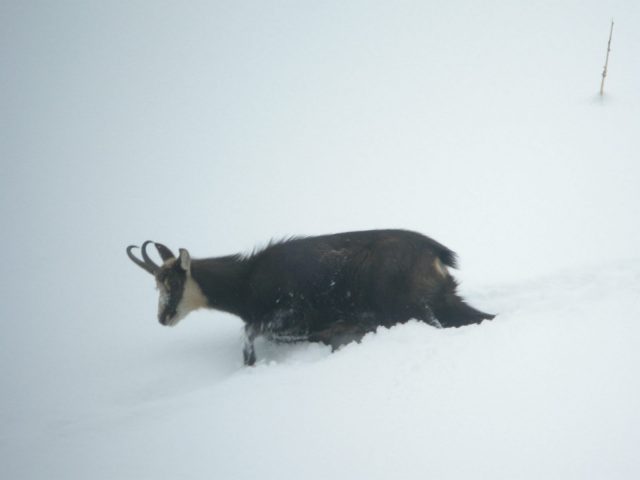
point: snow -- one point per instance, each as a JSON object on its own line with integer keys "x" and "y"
{"x": 550, "y": 388}
{"x": 216, "y": 126}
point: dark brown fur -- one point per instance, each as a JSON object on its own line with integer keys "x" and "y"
{"x": 332, "y": 288}
{"x": 336, "y": 288}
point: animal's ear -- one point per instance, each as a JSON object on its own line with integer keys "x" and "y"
{"x": 185, "y": 260}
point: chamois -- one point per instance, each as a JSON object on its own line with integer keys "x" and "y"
{"x": 331, "y": 288}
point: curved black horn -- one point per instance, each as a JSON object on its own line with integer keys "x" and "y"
{"x": 147, "y": 260}
{"x": 164, "y": 252}
{"x": 139, "y": 262}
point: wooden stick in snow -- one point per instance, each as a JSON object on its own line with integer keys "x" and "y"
{"x": 606, "y": 63}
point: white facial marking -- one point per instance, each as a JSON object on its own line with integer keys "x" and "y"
{"x": 164, "y": 297}
{"x": 192, "y": 299}
{"x": 192, "y": 296}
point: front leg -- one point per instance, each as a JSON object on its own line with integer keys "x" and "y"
{"x": 249, "y": 351}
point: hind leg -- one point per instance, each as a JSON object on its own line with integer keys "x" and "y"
{"x": 249, "y": 350}
{"x": 452, "y": 311}
{"x": 341, "y": 333}
{"x": 426, "y": 315}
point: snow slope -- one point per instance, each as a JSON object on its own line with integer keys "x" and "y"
{"x": 550, "y": 389}
{"x": 219, "y": 125}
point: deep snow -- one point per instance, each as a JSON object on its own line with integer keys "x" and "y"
{"x": 216, "y": 126}
{"x": 549, "y": 389}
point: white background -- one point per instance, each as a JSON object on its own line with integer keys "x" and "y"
{"x": 217, "y": 126}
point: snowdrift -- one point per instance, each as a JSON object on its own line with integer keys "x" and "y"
{"x": 549, "y": 389}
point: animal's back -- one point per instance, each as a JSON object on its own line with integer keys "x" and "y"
{"x": 346, "y": 282}
{"x": 307, "y": 263}
{"x": 304, "y": 249}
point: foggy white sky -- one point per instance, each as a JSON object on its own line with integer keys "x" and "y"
{"x": 219, "y": 125}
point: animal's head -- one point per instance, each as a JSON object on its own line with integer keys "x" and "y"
{"x": 179, "y": 293}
